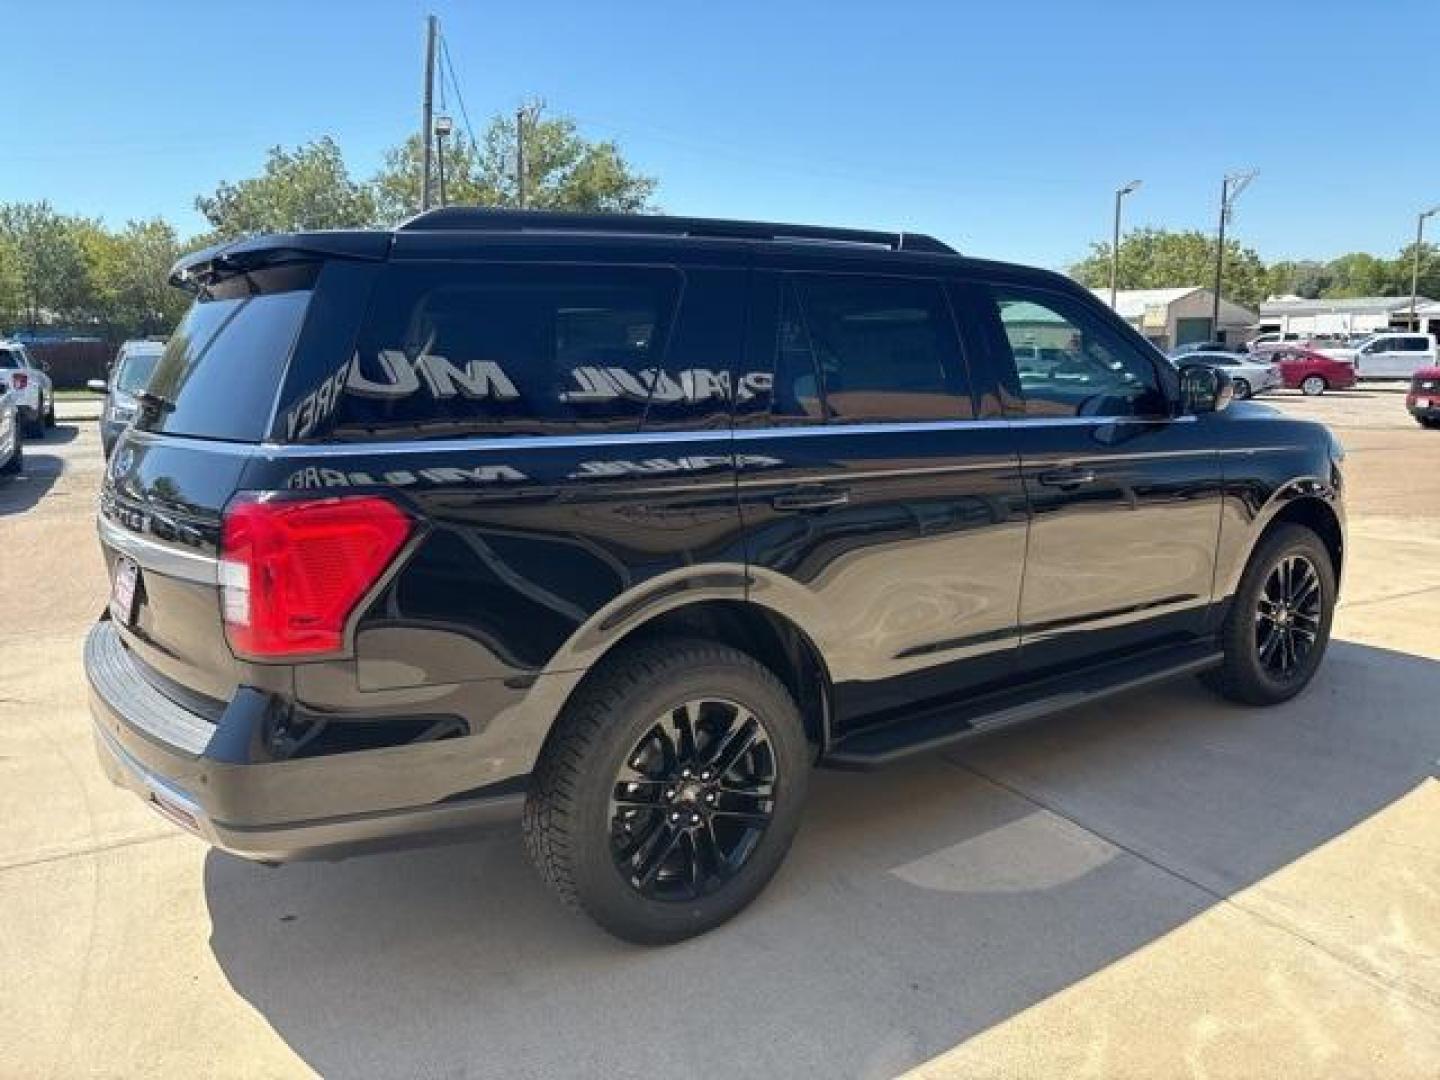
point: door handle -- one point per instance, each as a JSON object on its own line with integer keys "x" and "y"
{"x": 811, "y": 498}
{"x": 1067, "y": 477}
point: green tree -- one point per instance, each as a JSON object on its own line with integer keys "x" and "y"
{"x": 47, "y": 276}
{"x": 1159, "y": 259}
{"x": 1304, "y": 277}
{"x": 130, "y": 270}
{"x": 1362, "y": 274}
{"x": 1429, "y": 282}
{"x": 305, "y": 188}
{"x": 563, "y": 170}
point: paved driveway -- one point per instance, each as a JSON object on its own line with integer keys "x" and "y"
{"x": 1164, "y": 886}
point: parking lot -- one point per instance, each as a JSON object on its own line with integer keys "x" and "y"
{"x": 1165, "y": 885}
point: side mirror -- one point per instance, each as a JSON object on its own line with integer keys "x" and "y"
{"x": 98, "y": 385}
{"x": 1204, "y": 389}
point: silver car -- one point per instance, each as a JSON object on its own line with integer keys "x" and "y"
{"x": 12, "y": 439}
{"x": 1251, "y": 375}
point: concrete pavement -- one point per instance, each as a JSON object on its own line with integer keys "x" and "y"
{"x": 1165, "y": 886}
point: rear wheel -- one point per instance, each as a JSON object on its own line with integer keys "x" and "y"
{"x": 1242, "y": 389}
{"x": 1313, "y": 385}
{"x": 35, "y": 425}
{"x": 1429, "y": 421}
{"x": 1278, "y": 625}
{"x": 670, "y": 790}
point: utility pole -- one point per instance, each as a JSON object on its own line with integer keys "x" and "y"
{"x": 1415, "y": 264}
{"x": 1120, "y": 193}
{"x": 520, "y": 155}
{"x": 426, "y": 135}
{"x": 1230, "y": 188}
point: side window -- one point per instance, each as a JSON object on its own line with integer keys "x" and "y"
{"x": 1070, "y": 363}
{"x": 870, "y": 349}
{"x": 9, "y": 360}
{"x": 694, "y": 388}
{"x": 511, "y": 350}
{"x": 1414, "y": 344}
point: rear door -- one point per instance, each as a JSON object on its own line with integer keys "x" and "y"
{"x": 1125, "y": 495}
{"x": 880, "y": 493}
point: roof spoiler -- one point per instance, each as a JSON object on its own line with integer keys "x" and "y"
{"x": 198, "y": 269}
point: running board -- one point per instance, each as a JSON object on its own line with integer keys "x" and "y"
{"x": 938, "y": 728}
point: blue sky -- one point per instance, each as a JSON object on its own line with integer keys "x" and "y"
{"x": 1003, "y": 128}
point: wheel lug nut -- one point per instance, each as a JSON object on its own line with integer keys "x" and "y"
{"x": 694, "y": 819}
{"x": 710, "y": 797}
{"x": 669, "y": 793}
{"x": 705, "y": 775}
{"x": 674, "y": 816}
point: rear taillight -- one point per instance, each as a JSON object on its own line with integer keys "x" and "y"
{"x": 293, "y": 571}
{"x": 19, "y": 381}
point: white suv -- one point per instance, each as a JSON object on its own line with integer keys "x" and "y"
{"x": 1389, "y": 355}
{"x": 31, "y": 386}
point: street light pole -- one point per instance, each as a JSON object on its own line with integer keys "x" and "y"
{"x": 1415, "y": 265}
{"x": 1230, "y": 188}
{"x": 1120, "y": 193}
{"x": 442, "y": 129}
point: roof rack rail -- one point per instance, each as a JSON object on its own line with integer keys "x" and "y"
{"x": 486, "y": 219}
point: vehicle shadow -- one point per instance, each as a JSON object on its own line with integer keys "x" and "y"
{"x": 37, "y": 476}
{"x": 920, "y": 906}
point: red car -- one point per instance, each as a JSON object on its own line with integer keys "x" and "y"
{"x": 1311, "y": 372}
{"x": 1423, "y": 400}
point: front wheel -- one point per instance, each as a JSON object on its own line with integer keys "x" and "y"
{"x": 1428, "y": 421}
{"x": 1242, "y": 389}
{"x": 1312, "y": 385}
{"x": 669, "y": 791}
{"x": 1278, "y": 626}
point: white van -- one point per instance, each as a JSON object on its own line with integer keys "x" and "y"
{"x": 1389, "y": 355}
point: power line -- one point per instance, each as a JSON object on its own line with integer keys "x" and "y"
{"x": 449, "y": 66}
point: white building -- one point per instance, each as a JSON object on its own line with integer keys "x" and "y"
{"x": 1171, "y": 317}
{"x": 1357, "y": 315}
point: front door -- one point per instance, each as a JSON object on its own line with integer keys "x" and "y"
{"x": 1124, "y": 495}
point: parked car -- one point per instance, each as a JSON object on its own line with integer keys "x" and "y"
{"x": 1390, "y": 355}
{"x": 622, "y": 524}
{"x": 1267, "y": 343}
{"x": 134, "y": 363}
{"x": 1423, "y": 400}
{"x": 12, "y": 435}
{"x": 1313, "y": 372}
{"x": 1249, "y": 375}
{"x": 30, "y": 383}
{"x": 1199, "y": 346}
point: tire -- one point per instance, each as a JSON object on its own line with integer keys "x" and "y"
{"x": 1313, "y": 385}
{"x": 1242, "y": 389}
{"x": 1428, "y": 422}
{"x": 1245, "y": 675}
{"x": 50, "y": 413}
{"x": 577, "y": 836}
{"x": 35, "y": 426}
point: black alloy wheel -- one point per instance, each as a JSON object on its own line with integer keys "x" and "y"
{"x": 692, "y": 800}
{"x": 1288, "y": 617}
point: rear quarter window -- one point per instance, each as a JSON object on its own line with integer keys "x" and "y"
{"x": 511, "y": 349}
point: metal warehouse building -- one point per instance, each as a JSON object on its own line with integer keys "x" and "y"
{"x": 1171, "y": 317}
{"x": 1359, "y": 315}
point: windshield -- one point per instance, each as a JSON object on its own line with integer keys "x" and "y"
{"x": 135, "y": 370}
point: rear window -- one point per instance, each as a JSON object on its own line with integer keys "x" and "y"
{"x": 223, "y": 366}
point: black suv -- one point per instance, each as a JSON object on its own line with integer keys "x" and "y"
{"x": 622, "y": 524}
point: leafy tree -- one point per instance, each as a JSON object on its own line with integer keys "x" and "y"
{"x": 1429, "y": 282}
{"x": 1306, "y": 277}
{"x": 1159, "y": 258}
{"x": 130, "y": 270}
{"x": 563, "y": 170}
{"x": 307, "y": 188}
{"x": 47, "y": 275}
